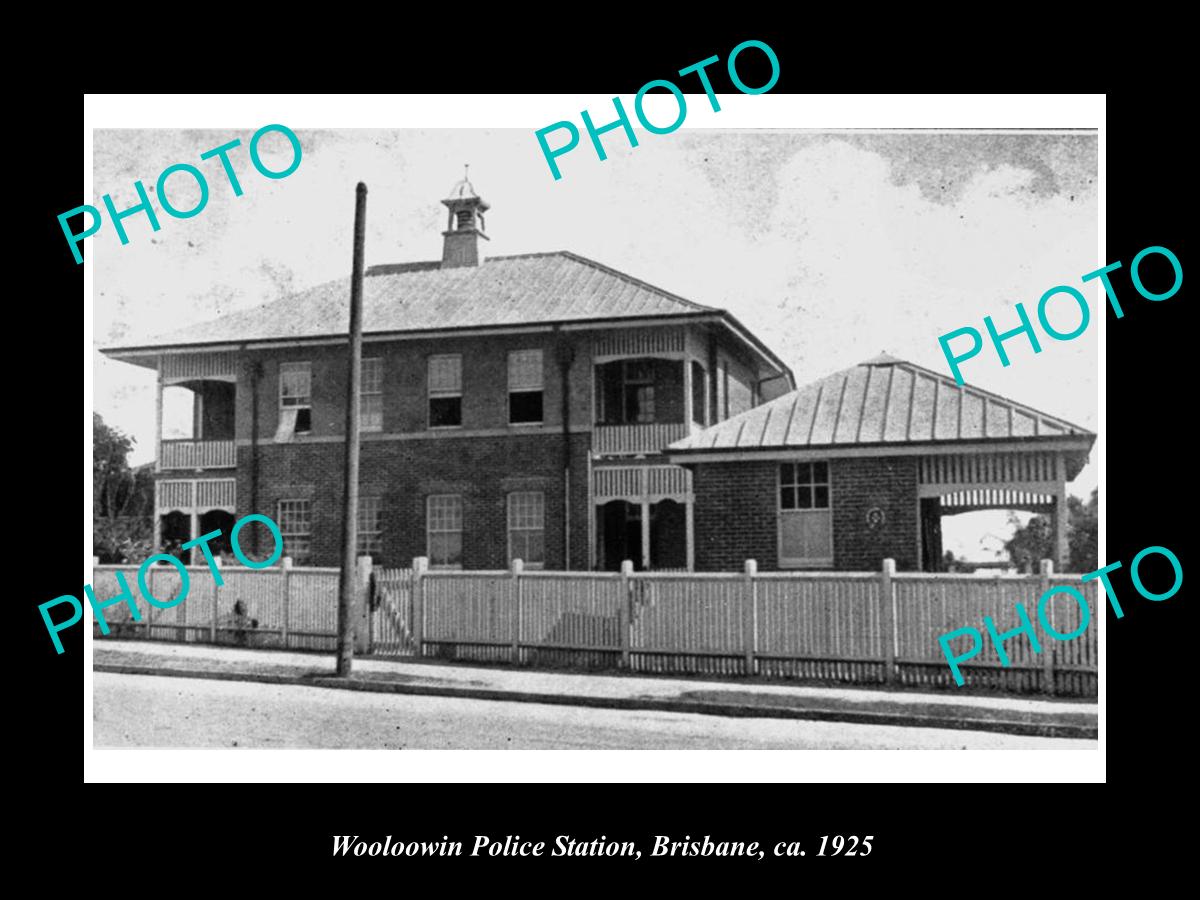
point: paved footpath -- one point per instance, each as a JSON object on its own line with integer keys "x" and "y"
{"x": 745, "y": 699}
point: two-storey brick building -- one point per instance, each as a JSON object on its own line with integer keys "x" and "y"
{"x": 516, "y": 406}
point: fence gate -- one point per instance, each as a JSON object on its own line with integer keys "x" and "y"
{"x": 392, "y": 613}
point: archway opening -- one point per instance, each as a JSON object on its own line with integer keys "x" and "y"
{"x": 619, "y": 535}
{"x": 668, "y": 535}
{"x": 220, "y": 547}
{"x": 176, "y": 531}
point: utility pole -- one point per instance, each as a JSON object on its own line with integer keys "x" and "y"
{"x": 347, "y": 579}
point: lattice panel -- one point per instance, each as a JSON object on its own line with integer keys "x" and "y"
{"x": 187, "y": 366}
{"x": 641, "y": 342}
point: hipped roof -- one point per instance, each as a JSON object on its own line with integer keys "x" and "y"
{"x": 504, "y": 291}
{"x": 881, "y": 402}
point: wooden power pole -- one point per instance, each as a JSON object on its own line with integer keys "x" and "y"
{"x": 348, "y": 579}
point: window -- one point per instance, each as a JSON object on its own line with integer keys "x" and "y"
{"x": 638, "y": 391}
{"x": 699, "y": 394}
{"x": 370, "y": 526}
{"x": 525, "y": 387}
{"x": 370, "y": 407}
{"x": 295, "y": 400}
{"x": 445, "y": 391}
{"x": 527, "y": 528}
{"x": 805, "y": 517}
{"x": 444, "y": 519}
{"x": 723, "y": 400}
{"x": 295, "y": 524}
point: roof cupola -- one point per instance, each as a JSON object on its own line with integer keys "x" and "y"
{"x": 465, "y": 225}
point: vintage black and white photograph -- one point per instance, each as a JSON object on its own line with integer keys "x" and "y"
{"x": 664, "y": 454}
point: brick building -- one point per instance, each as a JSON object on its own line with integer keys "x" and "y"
{"x": 862, "y": 465}
{"x": 514, "y": 406}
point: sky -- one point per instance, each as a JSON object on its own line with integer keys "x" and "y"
{"x": 831, "y": 247}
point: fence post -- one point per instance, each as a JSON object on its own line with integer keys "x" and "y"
{"x": 362, "y": 632}
{"x": 212, "y": 628}
{"x": 371, "y": 605}
{"x": 181, "y": 616}
{"x": 518, "y": 566}
{"x": 750, "y": 615}
{"x": 188, "y": 616}
{"x": 625, "y": 611}
{"x": 285, "y": 569}
{"x": 887, "y": 619}
{"x": 150, "y": 579}
{"x": 420, "y": 564}
{"x": 1047, "y": 569}
{"x": 92, "y": 580}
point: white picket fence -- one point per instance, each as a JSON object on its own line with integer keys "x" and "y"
{"x": 867, "y": 627}
{"x": 284, "y": 606}
{"x": 858, "y": 627}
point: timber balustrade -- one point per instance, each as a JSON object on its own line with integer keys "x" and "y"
{"x": 636, "y": 439}
{"x": 198, "y": 455}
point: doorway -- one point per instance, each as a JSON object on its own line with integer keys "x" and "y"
{"x": 619, "y": 534}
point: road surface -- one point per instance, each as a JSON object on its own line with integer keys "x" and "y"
{"x": 149, "y": 711}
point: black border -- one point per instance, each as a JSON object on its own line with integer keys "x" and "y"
{"x": 938, "y": 832}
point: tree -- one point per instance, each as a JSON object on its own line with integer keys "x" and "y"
{"x": 122, "y": 498}
{"x": 1035, "y": 541}
{"x": 951, "y": 563}
{"x": 1084, "y": 534}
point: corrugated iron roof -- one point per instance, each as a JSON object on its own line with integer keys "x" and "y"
{"x": 881, "y": 401}
{"x": 504, "y": 290}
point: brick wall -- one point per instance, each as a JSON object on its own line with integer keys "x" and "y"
{"x": 736, "y": 514}
{"x": 859, "y": 485}
{"x": 405, "y": 400}
{"x": 403, "y": 473}
{"x": 485, "y": 382}
{"x": 407, "y": 462}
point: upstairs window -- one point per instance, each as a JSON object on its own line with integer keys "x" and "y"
{"x": 805, "y": 515}
{"x": 444, "y": 524}
{"x": 525, "y": 387}
{"x": 641, "y": 391}
{"x": 699, "y": 394}
{"x": 445, "y": 391}
{"x": 723, "y": 392}
{"x": 637, "y": 391}
{"x": 295, "y": 400}
{"x": 370, "y": 406}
